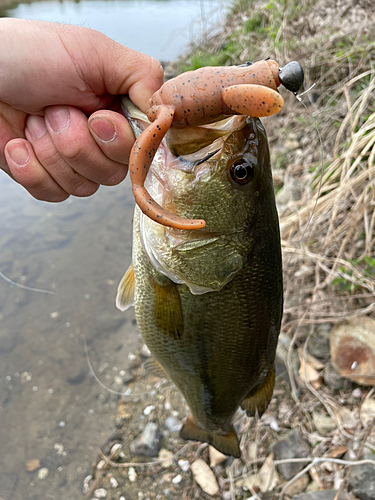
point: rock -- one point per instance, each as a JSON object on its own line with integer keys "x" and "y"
{"x": 323, "y": 423}
{"x": 100, "y": 493}
{"x": 184, "y": 465}
{"x": 204, "y": 476}
{"x": 290, "y": 446}
{"x": 332, "y": 379}
{"x": 320, "y": 495}
{"x": 145, "y": 352}
{"x": 166, "y": 458}
{"x": 132, "y": 475}
{"x": 172, "y": 425}
{"x": 114, "y": 482}
{"x": 177, "y": 479}
{"x": 43, "y": 473}
{"x": 362, "y": 481}
{"x": 297, "y": 486}
{"x": 352, "y": 344}
{"x": 149, "y": 442}
{"x": 32, "y": 464}
{"x": 367, "y": 412}
{"x": 216, "y": 457}
{"x": 264, "y": 480}
{"x": 319, "y": 342}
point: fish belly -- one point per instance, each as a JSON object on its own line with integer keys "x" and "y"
{"x": 224, "y": 349}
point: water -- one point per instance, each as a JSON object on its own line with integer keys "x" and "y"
{"x": 160, "y": 28}
{"x": 51, "y": 408}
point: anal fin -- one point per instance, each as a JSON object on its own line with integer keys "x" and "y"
{"x": 152, "y": 366}
{"x": 258, "y": 402}
{"x": 226, "y": 443}
{"x": 125, "y": 291}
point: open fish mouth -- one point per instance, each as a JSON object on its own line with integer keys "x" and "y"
{"x": 185, "y": 159}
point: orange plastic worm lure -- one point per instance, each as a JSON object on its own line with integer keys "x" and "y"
{"x": 200, "y": 97}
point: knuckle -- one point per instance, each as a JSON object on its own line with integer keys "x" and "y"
{"x": 75, "y": 151}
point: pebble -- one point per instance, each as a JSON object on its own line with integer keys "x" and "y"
{"x": 298, "y": 485}
{"x": 100, "y": 493}
{"x": 55, "y": 315}
{"x": 290, "y": 446}
{"x": 32, "y": 464}
{"x": 204, "y": 476}
{"x": 367, "y": 411}
{"x": 132, "y": 475}
{"x": 216, "y": 457}
{"x": 362, "y": 481}
{"x": 59, "y": 449}
{"x": 177, "y": 479}
{"x": 148, "y": 410}
{"x": 172, "y": 424}
{"x": 25, "y": 377}
{"x": 114, "y": 482}
{"x": 61, "y": 424}
{"x": 319, "y": 342}
{"x": 149, "y": 442}
{"x": 43, "y": 473}
{"x": 357, "y": 393}
{"x": 166, "y": 458}
{"x": 184, "y": 465}
{"x": 323, "y": 423}
{"x": 145, "y": 352}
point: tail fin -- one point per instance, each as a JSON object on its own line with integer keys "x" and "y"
{"x": 226, "y": 443}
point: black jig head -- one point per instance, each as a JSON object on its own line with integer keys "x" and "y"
{"x": 291, "y": 76}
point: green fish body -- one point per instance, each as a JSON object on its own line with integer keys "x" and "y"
{"x": 208, "y": 302}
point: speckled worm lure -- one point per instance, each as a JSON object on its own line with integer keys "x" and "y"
{"x": 200, "y": 97}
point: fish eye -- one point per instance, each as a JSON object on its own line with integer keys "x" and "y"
{"x": 241, "y": 171}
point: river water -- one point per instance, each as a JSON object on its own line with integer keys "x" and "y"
{"x": 51, "y": 407}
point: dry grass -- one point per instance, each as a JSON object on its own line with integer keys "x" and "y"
{"x": 333, "y": 264}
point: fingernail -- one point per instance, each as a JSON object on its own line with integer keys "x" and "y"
{"x": 18, "y": 153}
{"x": 58, "y": 117}
{"x": 103, "y": 129}
{"x": 36, "y": 126}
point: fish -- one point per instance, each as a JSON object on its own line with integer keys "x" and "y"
{"x": 209, "y": 302}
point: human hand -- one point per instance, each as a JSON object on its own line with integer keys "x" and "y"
{"x": 60, "y": 134}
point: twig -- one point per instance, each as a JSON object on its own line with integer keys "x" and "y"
{"x": 138, "y": 464}
{"x": 366, "y": 434}
{"x": 318, "y": 460}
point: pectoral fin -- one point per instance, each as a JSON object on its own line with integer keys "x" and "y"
{"x": 226, "y": 443}
{"x": 125, "y": 291}
{"x": 167, "y": 308}
{"x": 258, "y": 402}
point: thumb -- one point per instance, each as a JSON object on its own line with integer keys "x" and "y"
{"x": 127, "y": 71}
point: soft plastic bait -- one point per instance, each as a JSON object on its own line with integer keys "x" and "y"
{"x": 200, "y": 97}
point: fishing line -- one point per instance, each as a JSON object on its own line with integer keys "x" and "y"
{"x": 24, "y": 287}
{"x": 112, "y": 391}
{"x": 321, "y": 167}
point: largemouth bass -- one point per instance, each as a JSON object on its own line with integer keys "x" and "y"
{"x": 208, "y": 302}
